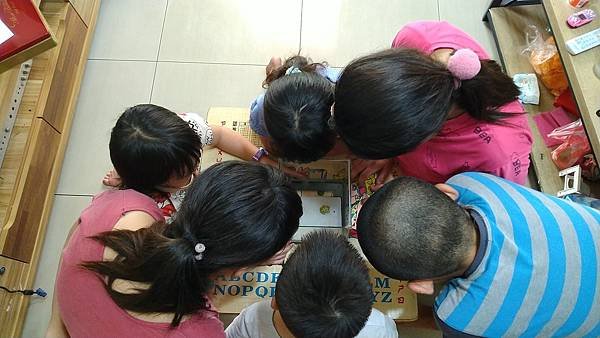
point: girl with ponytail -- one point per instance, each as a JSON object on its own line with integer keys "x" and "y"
{"x": 436, "y": 105}
{"x": 121, "y": 278}
{"x": 293, "y": 116}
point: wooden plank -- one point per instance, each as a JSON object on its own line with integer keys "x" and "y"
{"x": 8, "y": 80}
{"x": 509, "y": 26}
{"x": 12, "y": 303}
{"x": 579, "y": 68}
{"x": 86, "y": 10}
{"x": 23, "y": 226}
{"x": 65, "y": 72}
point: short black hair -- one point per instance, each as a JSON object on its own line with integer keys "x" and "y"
{"x": 323, "y": 289}
{"x": 410, "y": 230}
{"x": 297, "y": 109}
{"x": 388, "y": 103}
{"x": 149, "y": 144}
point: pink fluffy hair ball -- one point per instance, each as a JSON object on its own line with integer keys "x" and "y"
{"x": 464, "y": 64}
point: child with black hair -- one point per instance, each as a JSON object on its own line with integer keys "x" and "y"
{"x": 514, "y": 262}
{"x": 435, "y": 103}
{"x": 293, "y": 116}
{"x": 124, "y": 272}
{"x": 157, "y": 152}
{"x": 323, "y": 291}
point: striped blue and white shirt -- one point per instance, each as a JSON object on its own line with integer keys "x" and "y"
{"x": 536, "y": 269}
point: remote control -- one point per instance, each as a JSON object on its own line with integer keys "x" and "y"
{"x": 584, "y": 42}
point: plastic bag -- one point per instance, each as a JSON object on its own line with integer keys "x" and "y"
{"x": 544, "y": 58}
{"x": 563, "y": 132}
{"x": 574, "y": 147}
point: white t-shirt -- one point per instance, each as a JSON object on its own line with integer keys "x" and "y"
{"x": 256, "y": 321}
{"x": 205, "y": 133}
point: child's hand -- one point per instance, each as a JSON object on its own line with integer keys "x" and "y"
{"x": 362, "y": 169}
{"x": 279, "y": 257}
{"x": 274, "y": 63}
{"x": 112, "y": 179}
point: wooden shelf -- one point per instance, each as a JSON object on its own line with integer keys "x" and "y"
{"x": 509, "y": 25}
{"x": 579, "y": 68}
{"x": 32, "y": 164}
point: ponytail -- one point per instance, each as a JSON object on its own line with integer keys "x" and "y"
{"x": 490, "y": 89}
{"x": 167, "y": 265}
{"x": 300, "y": 62}
{"x": 242, "y": 213}
{"x": 388, "y": 103}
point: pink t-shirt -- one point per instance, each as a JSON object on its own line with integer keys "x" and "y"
{"x": 464, "y": 143}
{"x": 86, "y": 308}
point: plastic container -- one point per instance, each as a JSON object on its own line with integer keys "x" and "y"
{"x": 544, "y": 58}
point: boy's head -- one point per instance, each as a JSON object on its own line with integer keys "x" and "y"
{"x": 297, "y": 109}
{"x": 323, "y": 289}
{"x": 412, "y": 230}
{"x": 150, "y": 146}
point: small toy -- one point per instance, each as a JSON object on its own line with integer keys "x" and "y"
{"x": 578, "y": 3}
{"x": 581, "y": 18}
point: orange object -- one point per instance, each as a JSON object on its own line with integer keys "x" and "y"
{"x": 549, "y": 68}
{"x": 578, "y": 3}
{"x": 571, "y": 152}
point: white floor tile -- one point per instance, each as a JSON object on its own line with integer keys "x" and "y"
{"x": 467, "y": 15}
{"x": 128, "y": 30}
{"x": 65, "y": 211}
{"x": 108, "y": 88}
{"x": 195, "y": 87}
{"x": 230, "y": 31}
{"x": 338, "y": 31}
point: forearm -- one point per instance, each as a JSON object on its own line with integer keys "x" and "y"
{"x": 233, "y": 143}
{"x": 56, "y": 327}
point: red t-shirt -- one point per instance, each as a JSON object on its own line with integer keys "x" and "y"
{"x": 86, "y": 308}
{"x": 464, "y": 143}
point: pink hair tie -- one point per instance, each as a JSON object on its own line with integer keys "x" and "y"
{"x": 464, "y": 64}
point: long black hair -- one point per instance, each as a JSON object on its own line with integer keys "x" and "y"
{"x": 243, "y": 213}
{"x": 149, "y": 144}
{"x": 389, "y": 102}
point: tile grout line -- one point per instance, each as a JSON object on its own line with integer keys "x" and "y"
{"x": 438, "y": 9}
{"x": 72, "y": 195}
{"x": 301, "y": 18}
{"x": 120, "y": 60}
{"x": 185, "y": 62}
{"x": 158, "y": 51}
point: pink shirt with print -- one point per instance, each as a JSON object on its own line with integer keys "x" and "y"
{"x": 464, "y": 143}
{"x": 86, "y": 308}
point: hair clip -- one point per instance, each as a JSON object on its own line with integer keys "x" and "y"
{"x": 199, "y": 248}
{"x": 331, "y": 122}
{"x": 464, "y": 64}
{"x": 331, "y": 119}
{"x": 292, "y": 70}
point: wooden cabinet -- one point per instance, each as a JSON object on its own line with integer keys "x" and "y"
{"x": 35, "y": 150}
